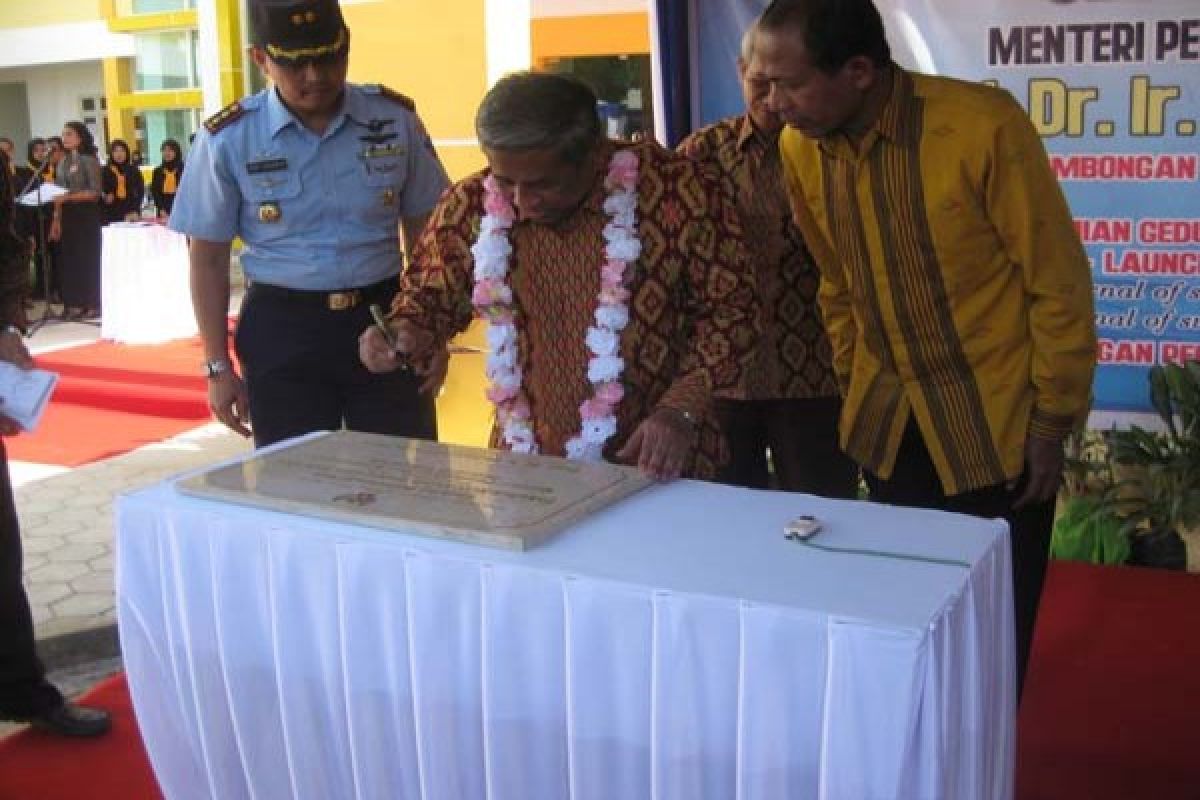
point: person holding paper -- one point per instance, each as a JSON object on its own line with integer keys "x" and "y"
{"x": 613, "y": 277}
{"x": 955, "y": 289}
{"x": 25, "y": 694}
{"x": 77, "y": 221}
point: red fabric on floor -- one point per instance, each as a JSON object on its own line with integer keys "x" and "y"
{"x": 1112, "y": 702}
{"x": 38, "y": 766}
{"x": 112, "y": 398}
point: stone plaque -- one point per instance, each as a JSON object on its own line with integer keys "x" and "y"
{"x": 489, "y": 497}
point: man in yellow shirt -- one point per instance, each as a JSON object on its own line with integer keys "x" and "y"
{"x": 955, "y": 290}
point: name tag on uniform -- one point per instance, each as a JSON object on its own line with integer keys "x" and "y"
{"x": 266, "y": 165}
{"x": 382, "y": 151}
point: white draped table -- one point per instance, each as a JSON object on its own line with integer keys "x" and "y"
{"x": 144, "y": 288}
{"x": 672, "y": 646}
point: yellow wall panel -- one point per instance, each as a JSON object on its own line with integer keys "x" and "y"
{"x": 432, "y": 52}
{"x": 118, "y": 78}
{"x": 435, "y": 52}
{"x": 150, "y": 23}
{"x": 461, "y": 160}
{"x": 17, "y": 14}
{"x": 464, "y": 413}
{"x": 591, "y": 35}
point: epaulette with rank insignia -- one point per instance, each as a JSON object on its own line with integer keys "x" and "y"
{"x": 396, "y": 97}
{"x": 225, "y": 117}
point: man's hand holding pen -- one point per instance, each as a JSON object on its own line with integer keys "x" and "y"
{"x": 398, "y": 344}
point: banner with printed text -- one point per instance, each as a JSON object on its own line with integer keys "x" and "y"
{"x": 1113, "y": 86}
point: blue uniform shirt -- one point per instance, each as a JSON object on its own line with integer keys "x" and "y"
{"x": 314, "y": 212}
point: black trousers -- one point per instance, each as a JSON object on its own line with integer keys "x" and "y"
{"x": 79, "y": 253}
{"x": 23, "y": 687}
{"x": 300, "y": 362}
{"x": 914, "y": 482}
{"x": 802, "y": 435}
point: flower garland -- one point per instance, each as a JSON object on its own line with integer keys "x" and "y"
{"x": 493, "y": 300}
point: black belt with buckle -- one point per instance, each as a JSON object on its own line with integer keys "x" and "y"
{"x": 333, "y": 300}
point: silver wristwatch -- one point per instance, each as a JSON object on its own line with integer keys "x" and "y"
{"x": 217, "y": 366}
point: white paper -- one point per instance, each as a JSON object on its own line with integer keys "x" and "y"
{"x": 24, "y": 393}
{"x": 42, "y": 195}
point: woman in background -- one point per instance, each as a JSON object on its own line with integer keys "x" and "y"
{"x": 33, "y": 222}
{"x": 165, "y": 180}
{"x": 123, "y": 185}
{"x": 77, "y": 220}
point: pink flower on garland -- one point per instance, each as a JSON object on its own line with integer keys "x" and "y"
{"x": 623, "y": 170}
{"x": 489, "y": 292}
{"x": 610, "y": 393}
{"x": 496, "y": 203}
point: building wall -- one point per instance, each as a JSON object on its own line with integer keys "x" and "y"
{"x": 14, "y": 116}
{"x": 54, "y": 92}
{"x": 18, "y": 14}
{"x": 55, "y": 44}
{"x": 436, "y": 54}
{"x": 579, "y": 8}
{"x": 591, "y": 35}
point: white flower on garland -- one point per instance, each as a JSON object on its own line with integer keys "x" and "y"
{"x": 603, "y": 342}
{"x": 492, "y": 298}
{"x": 615, "y": 318}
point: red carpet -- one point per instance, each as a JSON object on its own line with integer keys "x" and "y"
{"x": 1111, "y": 711}
{"x": 36, "y": 766}
{"x": 1112, "y": 704}
{"x": 112, "y": 398}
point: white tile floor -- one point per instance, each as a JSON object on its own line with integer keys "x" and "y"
{"x": 66, "y": 514}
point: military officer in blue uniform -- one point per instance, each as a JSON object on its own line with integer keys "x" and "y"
{"x": 316, "y": 176}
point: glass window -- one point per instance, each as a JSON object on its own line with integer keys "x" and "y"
{"x": 165, "y": 60}
{"x": 255, "y": 80}
{"x": 156, "y": 6}
{"x": 172, "y": 123}
{"x": 622, "y": 84}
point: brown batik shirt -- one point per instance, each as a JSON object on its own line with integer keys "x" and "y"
{"x": 793, "y": 357}
{"x": 692, "y": 307}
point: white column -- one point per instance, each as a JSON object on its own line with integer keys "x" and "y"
{"x": 508, "y": 39}
{"x": 208, "y": 51}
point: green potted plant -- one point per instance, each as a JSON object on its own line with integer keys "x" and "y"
{"x": 1088, "y": 526}
{"x": 1160, "y": 483}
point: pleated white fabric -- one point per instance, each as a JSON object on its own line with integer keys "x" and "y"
{"x": 672, "y": 647}
{"x": 144, "y": 284}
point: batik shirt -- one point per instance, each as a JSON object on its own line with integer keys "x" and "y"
{"x": 692, "y": 306}
{"x": 793, "y": 359}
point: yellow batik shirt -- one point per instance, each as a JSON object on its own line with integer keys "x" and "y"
{"x": 953, "y": 283}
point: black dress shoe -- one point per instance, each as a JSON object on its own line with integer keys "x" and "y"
{"x": 72, "y": 720}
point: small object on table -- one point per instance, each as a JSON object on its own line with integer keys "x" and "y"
{"x": 802, "y": 528}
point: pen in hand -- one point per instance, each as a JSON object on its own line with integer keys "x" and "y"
{"x": 381, "y": 323}
{"x": 388, "y": 336}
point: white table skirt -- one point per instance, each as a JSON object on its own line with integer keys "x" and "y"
{"x": 672, "y": 646}
{"x": 145, "y": 288}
